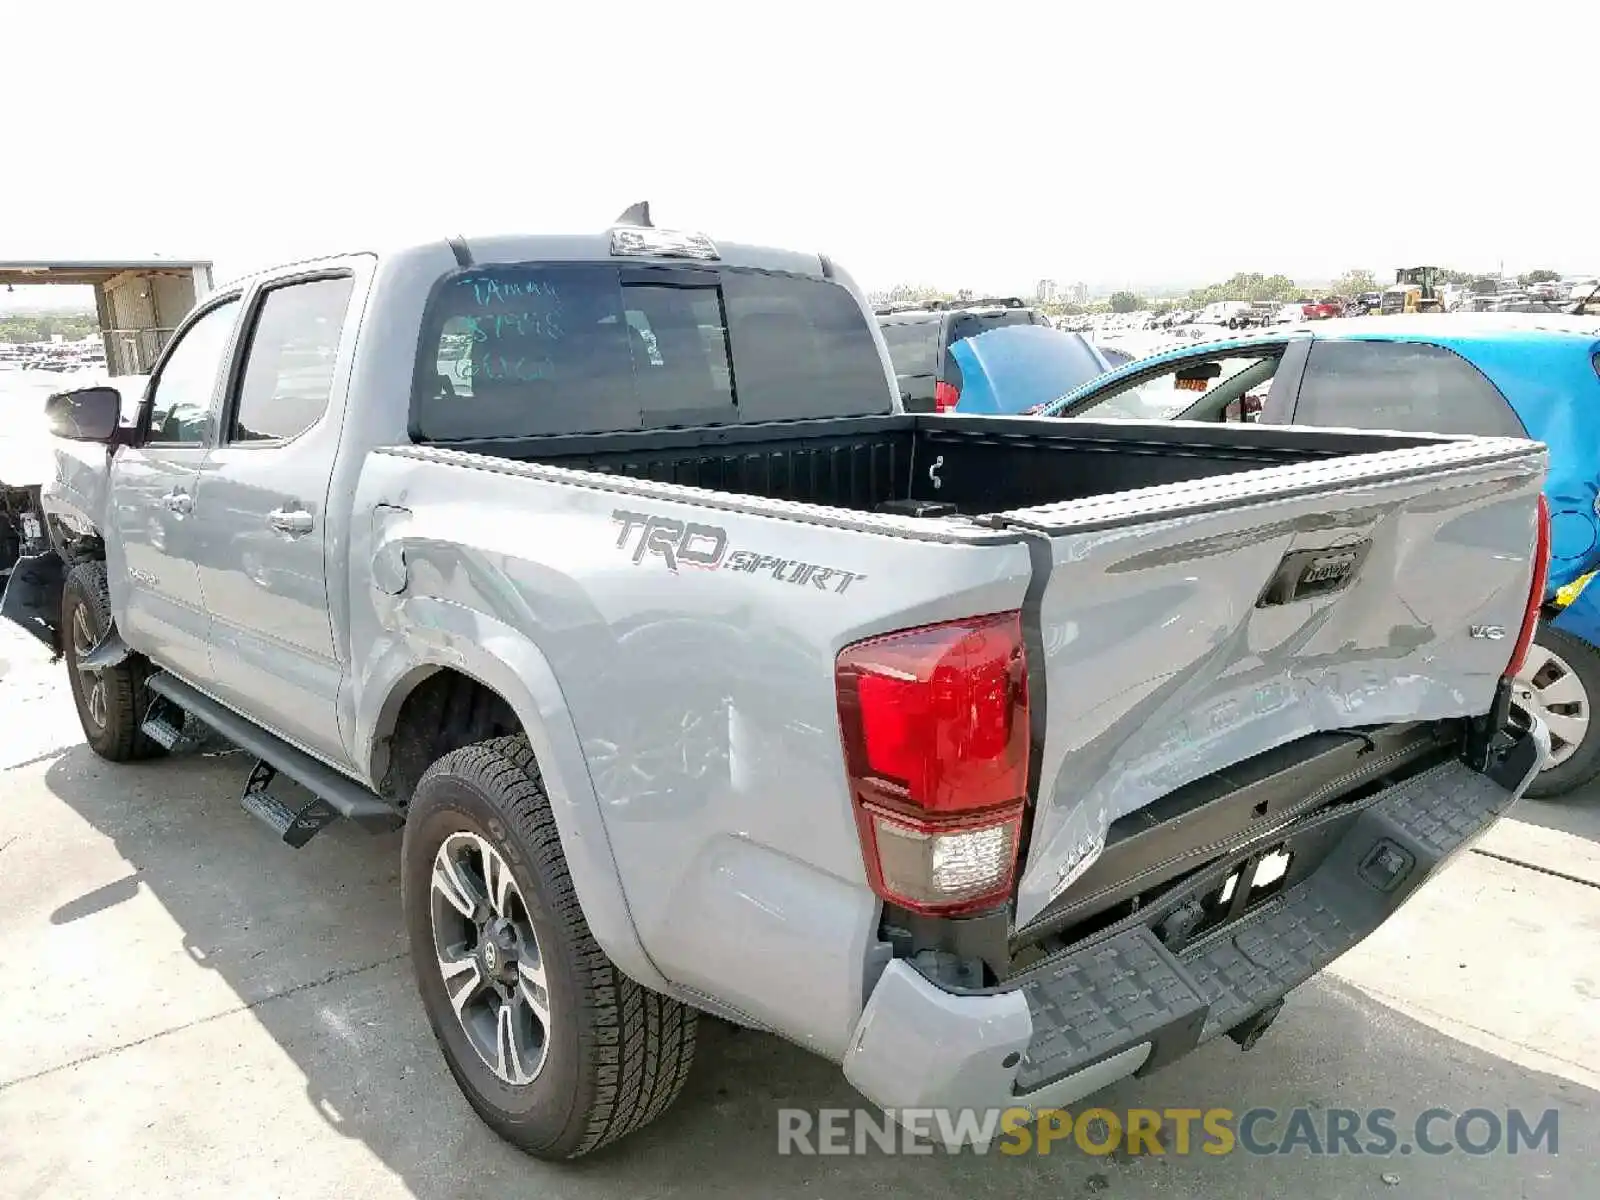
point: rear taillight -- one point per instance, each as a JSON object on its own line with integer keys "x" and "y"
{"x": 935, "y": 728}
{"x": 1541, "y": 579}
{"x": 945, "y": 396}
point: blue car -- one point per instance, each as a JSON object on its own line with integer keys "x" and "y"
{"x": 1506, "y": 374}
{"x": 1020, "y": 367}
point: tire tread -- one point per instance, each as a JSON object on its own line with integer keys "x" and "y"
{"x": 642, "y": 1042}
{"x": 127, "y": 698}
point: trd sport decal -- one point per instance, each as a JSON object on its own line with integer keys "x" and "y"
{"x": 705, "y": 548}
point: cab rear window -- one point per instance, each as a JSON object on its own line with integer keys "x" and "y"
{"x": 966, "y": 325}
{"x": 526, "y": 350}
{"x": 913, "y": 346}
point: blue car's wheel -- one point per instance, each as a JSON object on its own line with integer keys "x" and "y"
{"x": 1560, "y": 683}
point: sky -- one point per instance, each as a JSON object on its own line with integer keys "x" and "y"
{"x": 972, "y": 145}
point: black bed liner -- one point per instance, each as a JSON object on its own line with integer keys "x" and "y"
{"x": 977, "y": 464}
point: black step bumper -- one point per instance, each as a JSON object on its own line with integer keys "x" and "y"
{"x": 1128, "y": 1003}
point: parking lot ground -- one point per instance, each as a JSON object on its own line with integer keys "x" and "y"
{"x": 189, "y": 1009}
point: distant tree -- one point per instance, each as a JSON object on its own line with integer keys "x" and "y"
{"x": 902, "y": 293}
{"x": 1246, "y": 285}
{"x": 1447, "y": 275}
{"x": 1276, "y": 287}
{"x": 1126, "y": 302}
{"x": 1062, "y": 308}
{"x": 1161, "y": 309}
{"x": 1353, "y": 282}
{"x": 1542, "y": 275}
{"x": 38, "y": 327}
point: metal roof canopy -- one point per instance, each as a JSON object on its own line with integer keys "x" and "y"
{"x": 28, "y": 272}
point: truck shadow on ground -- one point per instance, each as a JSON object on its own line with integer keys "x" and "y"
{"x": 311, "y": 942}
{"x": 1577, "y": 813}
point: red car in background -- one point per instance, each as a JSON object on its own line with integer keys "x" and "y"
{"x": 1322, "y": 310}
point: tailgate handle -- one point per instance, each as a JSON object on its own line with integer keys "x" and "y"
{"x": 1305, "y": 574}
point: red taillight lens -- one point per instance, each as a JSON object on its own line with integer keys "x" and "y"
{"x": 945, "y": 396}
{"x": 935, "y": 728}
{"x": 1541, "y": 579}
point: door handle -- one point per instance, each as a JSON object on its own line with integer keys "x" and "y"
{"x": 179, "y": 502}
{"x": 291, "y": 521}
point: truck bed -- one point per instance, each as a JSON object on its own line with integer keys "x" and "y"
{"x": 979, "y": 465}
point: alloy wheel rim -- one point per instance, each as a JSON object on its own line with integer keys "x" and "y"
{"x": 93, "y": 684}
{"x": 1548, "y": 687}
{"x": 489, "y": 958}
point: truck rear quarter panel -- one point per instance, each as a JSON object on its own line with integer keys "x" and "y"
{"x": 693, "y": 649}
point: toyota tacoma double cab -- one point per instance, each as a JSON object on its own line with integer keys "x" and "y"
{"x": 993, "y": 758}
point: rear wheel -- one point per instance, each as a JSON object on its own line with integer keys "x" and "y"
{"x": 1560, "y": 683}
{"x": 111, "y": 702}
{"x": 558, "y": 1051}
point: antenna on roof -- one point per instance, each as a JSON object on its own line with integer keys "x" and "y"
{"x": 636, "y": 214}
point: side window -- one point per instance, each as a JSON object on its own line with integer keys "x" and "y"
{"x": 1404, "y": 386}
{"x": 801, "y": 348}
{"x": 181, "y": 400}
{"x": 1235, "y": 384}
{"x": 288, "y": 369}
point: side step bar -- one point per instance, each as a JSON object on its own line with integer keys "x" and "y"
{"x": 336, "y": 795}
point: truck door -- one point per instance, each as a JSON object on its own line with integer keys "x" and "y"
{"x": 260, "y": 510}
{"x": 152, "y": 548}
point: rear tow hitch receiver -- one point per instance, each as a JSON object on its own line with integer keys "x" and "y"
{"x": 296, "y": 826}
{"x": 1248, "y": 1031}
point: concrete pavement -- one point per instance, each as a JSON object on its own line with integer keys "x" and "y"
{"x": 190, "y": 1009}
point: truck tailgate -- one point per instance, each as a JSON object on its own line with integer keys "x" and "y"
{"x": 1187, "y": 627}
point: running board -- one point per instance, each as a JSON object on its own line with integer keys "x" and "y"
{"x": 296, "y": 826}
{"x": 339, "y": 794}
{"x": 163, "y": 725}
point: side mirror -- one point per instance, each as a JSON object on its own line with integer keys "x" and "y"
{"x": 91, "y": 414}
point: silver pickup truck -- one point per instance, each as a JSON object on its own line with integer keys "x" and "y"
{"x": 993, "y": 758}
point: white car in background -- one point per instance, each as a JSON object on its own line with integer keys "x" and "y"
{"x": 1222, "y": 311}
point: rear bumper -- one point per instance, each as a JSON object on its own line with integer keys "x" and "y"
{"x": 1127, "y": 1004}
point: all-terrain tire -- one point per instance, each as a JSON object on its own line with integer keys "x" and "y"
{"x": 1583, "y": 764}
{"x": 617, "y": 1054}
{"x": 116, "y": 733}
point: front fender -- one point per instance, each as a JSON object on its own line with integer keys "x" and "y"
{"x": 427, "y": 633}
{"x": 77, "y": 494}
